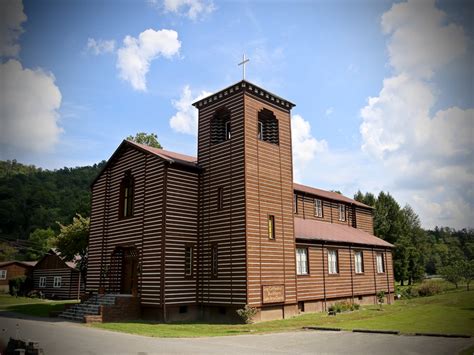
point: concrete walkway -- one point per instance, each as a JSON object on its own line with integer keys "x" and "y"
{"x": 61, "y": 337}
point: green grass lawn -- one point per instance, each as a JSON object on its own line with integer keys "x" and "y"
{"x": 30, "y": 306}
{"x": 451, "y": 312}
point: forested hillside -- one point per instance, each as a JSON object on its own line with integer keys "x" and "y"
{"x": 32, "y": 198}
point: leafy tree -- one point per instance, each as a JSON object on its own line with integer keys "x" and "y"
{"x": 72, "y": 241}
{"x": 147, "y": 139}
{"x": 367, "y": 198}
{"x": 387, "y": 218}
{"x": 452, "y": 273}
{"x": 40, "y": 241}
{"x": 7, "y": 252}
{"x": 467, "y": 271}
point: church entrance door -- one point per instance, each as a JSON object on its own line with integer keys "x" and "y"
{"x": 129, "y": 280}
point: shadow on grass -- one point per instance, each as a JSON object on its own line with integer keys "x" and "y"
{"x": 36, "y": 309}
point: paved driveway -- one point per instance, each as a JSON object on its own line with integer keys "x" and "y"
{"x": 60, "y": 337}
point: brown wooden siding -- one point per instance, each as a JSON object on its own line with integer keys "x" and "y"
{"x": 181, "y": 230}
{"x": 319, "y": 284}
{"x": 223, "y": 166}
{"x": 69, "y": 283}
{"x": 269, "y": 191}
{"x": 14, "y": 270}
{"x": 357, "y": 217}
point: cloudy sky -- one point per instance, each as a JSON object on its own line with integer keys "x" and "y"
{"x": 383, "y": 90}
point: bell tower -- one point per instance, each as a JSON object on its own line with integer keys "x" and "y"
{"x": 246, "y": 233}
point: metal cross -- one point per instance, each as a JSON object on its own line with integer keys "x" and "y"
{"x": 242, "y": 63}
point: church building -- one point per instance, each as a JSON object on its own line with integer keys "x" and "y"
{"x": 200, "y": 237}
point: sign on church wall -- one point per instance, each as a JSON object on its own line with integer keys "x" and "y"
{"x": 273, "y": 293}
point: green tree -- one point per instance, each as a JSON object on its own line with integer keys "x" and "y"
{"x": 147, "y": 139}
{"x": 72, "y": 241}
{"x": 7, "y": 252}
{"x": 40, "y": 241}
{"x": 467, "y": 271}
{"x": 368, "y": 198}
{"x": 387, "y": 218}
{"x": 452, "y": 273}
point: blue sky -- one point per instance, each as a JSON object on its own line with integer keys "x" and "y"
{"x": 82, "y": 75}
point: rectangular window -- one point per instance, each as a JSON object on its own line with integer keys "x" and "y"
{"x": 227, "y": 130}
{"x": 220, "y": 198}
{"x": 318, "y": 208}
{"x": 359, "y": 262}
{"x": 42, "y": 282}
{"x": 214, "y": 260}
{"x": 296, "y": 203}
{"x": 380, "y": 264}
{"x": 260, "y": 130}
{"x": 333, "y": 265}
{"x": 342, "y": 212}
{"x": 3, "y": 274}
{"x": 302, "y": 261}
{"x": 57, "y": 281}
{"x": 188, "y": 260}
{"x": 271, "y": 227}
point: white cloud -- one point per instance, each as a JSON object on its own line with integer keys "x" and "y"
{"x": 186, "y": 118}
{"x": 305, "y": 146}
{"x": 11, "y": 18}
{"x": 420, "y": 40}
{"x": 427, "y": 154}
{"x": 193, "y": 9}
{"x": 329, "y": 111}
{"x": 100, "y": 46}
{"x": 136, "y": 54}
{"x": 28, "y": 108}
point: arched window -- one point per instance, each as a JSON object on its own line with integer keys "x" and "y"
{"x": 221, "y": 128}
{"x": 267, "y": 129}
{"x": 126, "y": 195}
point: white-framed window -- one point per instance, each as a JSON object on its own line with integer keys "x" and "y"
{"x": 342, "y": 212}
{"x": 333, "y": 265}
{"x": 42, "y": 282}
{"x": 302, "y": 261}
{"x": 380, "y": 264}
{"x": 227, "y": 127}
{"x": 359, "y": 262}
{"x": 57, "y": 281}
{"x": 260, "y": 130}
{"x": 3, "y": 274}
{"x": 318, "y": 208}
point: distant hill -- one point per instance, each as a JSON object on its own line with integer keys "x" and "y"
{"x": 32, "y": 198}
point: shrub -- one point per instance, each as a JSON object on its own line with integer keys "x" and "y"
{"x": 20, "y": 286}
{"x": 381, "y": 298}
{"x": 247, "y": 313}
{"x": 343, "y": 306}
{"x": 429, "y": 288}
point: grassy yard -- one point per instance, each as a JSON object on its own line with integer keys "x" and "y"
{"x": 451, "y": 312}
{"x": 30, "y": 306}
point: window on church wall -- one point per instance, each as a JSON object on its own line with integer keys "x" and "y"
{"x": 267, "y": 129}
{"x": 333, "y": 263}
{"x": 380, "y": 263}
{"x": 296, "y": 203}
{"x": 220, "y": 198}
{"x": 318, "y": 208}
{"x": 302, "y": 261}
{"x": 126, "y": 195}
{"x": 359, "y": 262}
{"x": 188, "y": 260}
{"x": 342, "y": 212}
{"x": 214, "y": 260}
{"x": 221, "y": 126}
{"x": 271, "y": 227}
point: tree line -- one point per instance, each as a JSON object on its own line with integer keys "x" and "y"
{"x": 419, "y": 252}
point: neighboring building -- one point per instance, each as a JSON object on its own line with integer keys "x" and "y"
{"x": 205, "y": 236}
{"x": 56, "y": 278}
{"x": 13, "y": 269}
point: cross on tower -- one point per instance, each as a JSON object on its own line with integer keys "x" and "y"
{"x": 242, "y": 63}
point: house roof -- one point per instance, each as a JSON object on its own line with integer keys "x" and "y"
{"x": 172, "y": 157}
{"x": 70, "y": 264}
{"x": 328, "y": 194}
{"x": 314, "y": 230}
{"x": 25, "y": 263}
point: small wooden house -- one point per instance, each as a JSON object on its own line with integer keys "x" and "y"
{"x": 13, "y": 269}
{"x": 56, "y": 278}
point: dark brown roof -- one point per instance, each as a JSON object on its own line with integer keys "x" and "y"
{"x": 328, "y": 194}
{"x": 25, "y": 263}
{"x": 310, "y": 229}
{"x": 172, "y": 157}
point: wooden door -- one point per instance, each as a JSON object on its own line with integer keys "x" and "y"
{"x": 129, "y": 274}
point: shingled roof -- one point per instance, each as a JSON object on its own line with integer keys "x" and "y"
{"x": 328, "y": 194}
{"x": 314, "y": 230}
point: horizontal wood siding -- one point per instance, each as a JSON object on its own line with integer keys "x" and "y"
{"x": 223, "y": 167}
{"x": 181, "y": 230}
{"x": 364, "y": 219}
{"x": 269, "y": 191}
{"x": 69, "y": 283}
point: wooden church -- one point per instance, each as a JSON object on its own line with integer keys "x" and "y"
{"x": 201, "y": 237}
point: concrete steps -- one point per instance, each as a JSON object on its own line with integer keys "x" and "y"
{"x": 89, "y": 307}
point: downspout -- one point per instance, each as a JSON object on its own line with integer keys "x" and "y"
{"x": 388, "y": 280}
{"x": 163, "y": 242}
{"x": 352, "y": 273}
{"x": 324, "y": 277}
{"x": 375, "y": 273}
